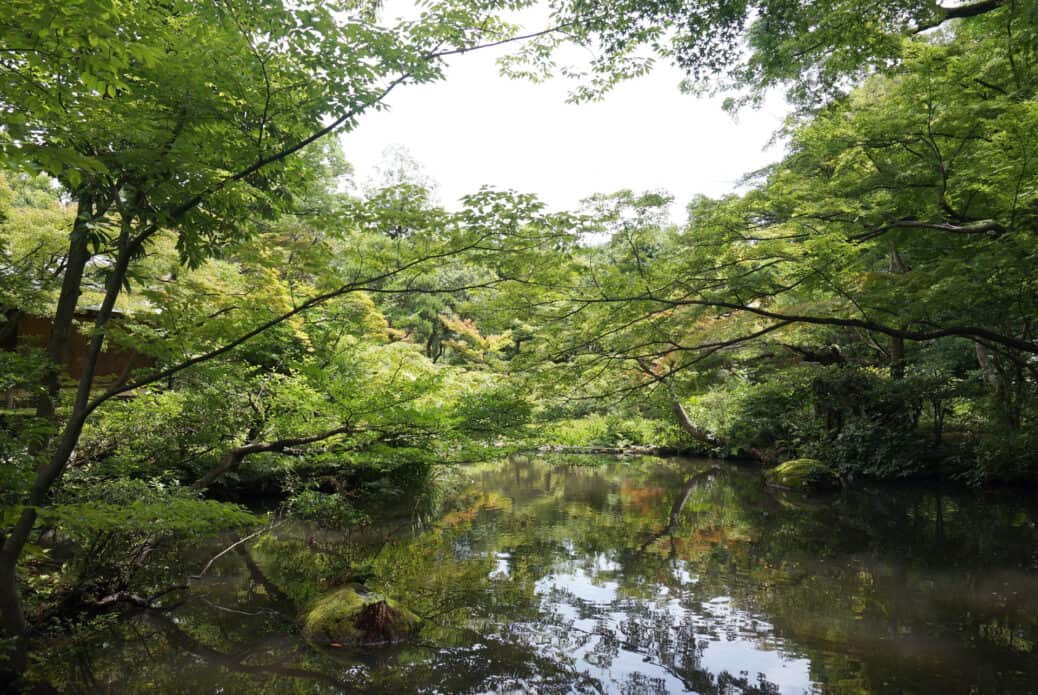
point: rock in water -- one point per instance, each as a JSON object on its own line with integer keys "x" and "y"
{"x": 803, "y": 474}
{"x": 351, "y": 618}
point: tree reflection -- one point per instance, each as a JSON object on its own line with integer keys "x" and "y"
{"x": 623, "y": 576}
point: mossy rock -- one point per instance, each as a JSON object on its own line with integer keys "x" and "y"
{"x": 803, "y": 474}
{"x": 352, "y": 617}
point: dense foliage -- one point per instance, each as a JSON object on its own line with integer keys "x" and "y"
{"x": 172, "y": 203}
{"x": 869, "y": 301}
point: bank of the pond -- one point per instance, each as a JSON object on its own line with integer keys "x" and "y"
{"x": 941, "y": 468}
{"x": 624, "y": 451}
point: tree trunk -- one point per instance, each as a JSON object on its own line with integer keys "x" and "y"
{"x": 939, "y": 413}
{"x": 81, "y": 408}
{"x": 13, "y": 619}
{"x": 230, "y": 461}
{"x": 699, "y": 434}
{"x": 1006, "y": 406}
{"x": 897, "y": 344}
{"x": 65, "y": 312}
{"x": 987, "y": 367}
{"x": 897, "y": 358}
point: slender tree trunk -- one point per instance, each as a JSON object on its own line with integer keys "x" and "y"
{"x": 897, "y": 358}
{"x": 1006, "y": 406}
{"x": 897, "y": 343}
{"x": 65, "y": 312}
{"x": 13, "y": 618}
{"x": 697, "y": 433}
{"x": 230, "y": 461}
{"x": 987, "y": 367}
{"x": 49, "y": 473}
{"x": 938, "y": 422}
{"x": 430, "y": 343}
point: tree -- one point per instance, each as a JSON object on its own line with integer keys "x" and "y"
{"x": 815, "y": 49}
{"x": 897, "y": 227}
{"x": 189, "y": 117}
{"x": 276, "y": 348}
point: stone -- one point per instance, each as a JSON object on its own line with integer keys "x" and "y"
{"x": 803, "y": 474}
{"x": 354, "y": 617}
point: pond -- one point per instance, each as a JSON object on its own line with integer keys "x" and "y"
{"x": 596, "y": 574}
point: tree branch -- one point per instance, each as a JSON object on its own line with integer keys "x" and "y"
{"x": 971, "y": 10}
{"x": 974, "y": 9}
{"x": 982, "y": 227}
{"x": 972, "y": 332}
{"x": 234, "y": 545}
{"x": 235, "y": 456}
{"x": 359, "y": 286}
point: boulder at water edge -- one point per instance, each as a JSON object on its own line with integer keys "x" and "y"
{"x": 803, "y": 474}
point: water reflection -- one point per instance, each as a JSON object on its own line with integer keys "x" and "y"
{"x": 649, "y": 576}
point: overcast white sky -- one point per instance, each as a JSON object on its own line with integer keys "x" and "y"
{"x": 479, "y": 128}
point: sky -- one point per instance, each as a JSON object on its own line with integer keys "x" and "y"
{"x": 478, "y": 128}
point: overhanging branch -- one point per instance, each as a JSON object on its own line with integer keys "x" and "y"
{"x": 967, "y": 11}
{"x": 990, "y": 227}
{"x": 971, "y": 332}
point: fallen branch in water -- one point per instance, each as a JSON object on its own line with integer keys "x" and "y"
{"x": 234, "y": 545}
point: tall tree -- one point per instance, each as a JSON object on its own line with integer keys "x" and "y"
{"x": 185, "y": 116}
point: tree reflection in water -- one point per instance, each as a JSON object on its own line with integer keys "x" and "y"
{"x": 599, "y": 575}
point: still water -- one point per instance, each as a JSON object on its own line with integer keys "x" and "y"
{"x": 595, "y": 575}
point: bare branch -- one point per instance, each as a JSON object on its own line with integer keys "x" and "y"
{"x": 982, "y": 227}
{"x": 234, "y": 545}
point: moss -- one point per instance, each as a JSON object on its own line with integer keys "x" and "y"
{"x": 803, "y": 474}
{"x": 348, "y": 617}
